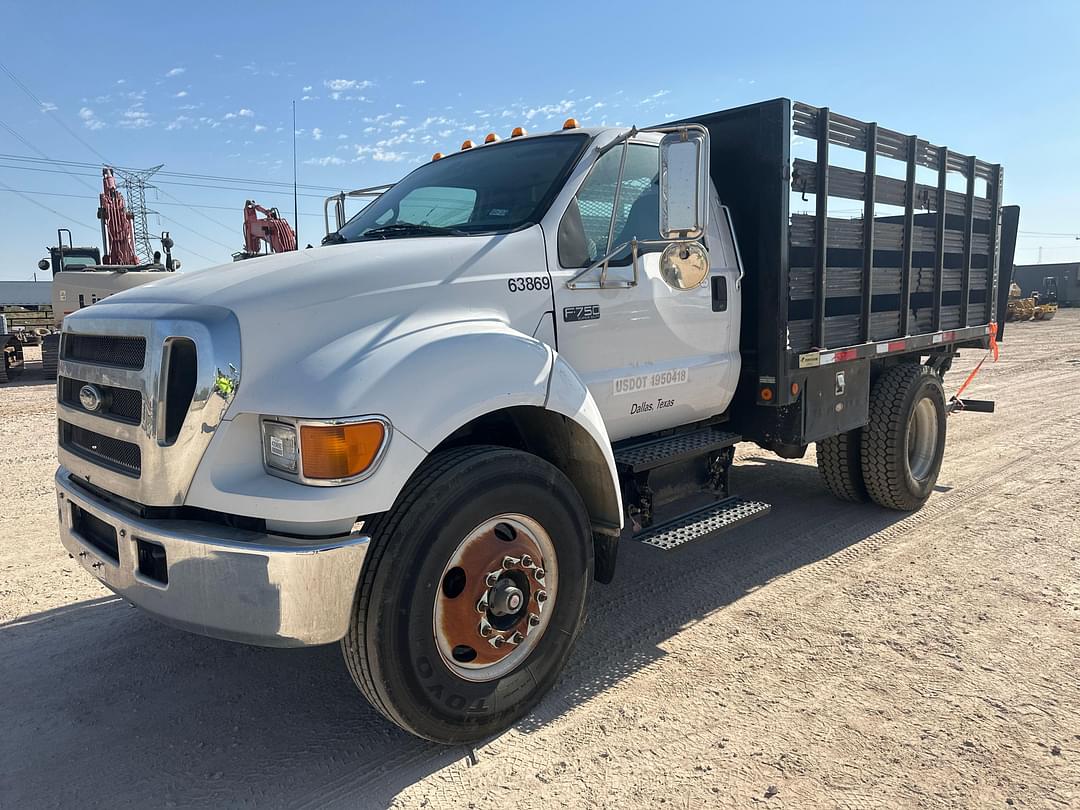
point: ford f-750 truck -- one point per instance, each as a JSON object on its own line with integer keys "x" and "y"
{"x": 426, "y": 438}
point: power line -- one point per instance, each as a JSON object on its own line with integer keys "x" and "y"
{"x": 251, "y": 191}
{"x": 188, "y": 175}
{"x": 159, "y": 202}
{"x": 47, "y": 208}
{"x": 46, "y": 108}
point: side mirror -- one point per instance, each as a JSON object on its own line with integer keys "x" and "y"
{"x": 684, "y": 183}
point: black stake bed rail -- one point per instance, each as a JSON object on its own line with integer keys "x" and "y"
{"x": 915, "y": 266}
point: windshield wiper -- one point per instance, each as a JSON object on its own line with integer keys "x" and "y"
{"x": 410, "y": 229}
{"x": 334, "y": 238}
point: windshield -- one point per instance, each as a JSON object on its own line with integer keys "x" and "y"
{"x": 489, "y": 189}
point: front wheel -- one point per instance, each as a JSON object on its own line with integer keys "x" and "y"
{"x": 472, "y": 594}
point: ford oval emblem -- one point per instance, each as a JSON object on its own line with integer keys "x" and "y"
{"x": 90, "y": 397}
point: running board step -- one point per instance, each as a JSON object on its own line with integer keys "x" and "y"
{"x": 716, "y": 517}
{"x": 637, "y": 458}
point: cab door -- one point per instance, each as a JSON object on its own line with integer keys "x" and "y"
{"x": 653, "y": 356}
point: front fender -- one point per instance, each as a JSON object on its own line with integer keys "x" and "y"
{"x": 427, "y": 383}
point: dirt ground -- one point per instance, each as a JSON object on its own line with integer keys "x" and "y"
{"x": 829, "y": 655}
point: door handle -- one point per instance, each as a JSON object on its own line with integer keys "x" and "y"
{"x": 719, "y": 294}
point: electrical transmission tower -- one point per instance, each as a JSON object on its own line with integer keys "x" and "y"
{"x": 134, "y": 183}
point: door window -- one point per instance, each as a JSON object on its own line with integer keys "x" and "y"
{"x": 583, "y": 232}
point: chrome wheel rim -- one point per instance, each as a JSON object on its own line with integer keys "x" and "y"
{"x": 922, "y": 437}
{"x": 495, "y": 597}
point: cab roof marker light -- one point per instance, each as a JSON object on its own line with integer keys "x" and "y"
{"x": 519, "y": 132}
{"x": 436, "y": 156}
{"x": 467, "y": 144}
{"x": 570, "y": 123}
{"x": 491, "y": 138}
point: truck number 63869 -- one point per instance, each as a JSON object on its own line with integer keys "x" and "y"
{"x": 528, "y": 283}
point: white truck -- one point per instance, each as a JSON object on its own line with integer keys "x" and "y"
{"x": 426, "y": 438}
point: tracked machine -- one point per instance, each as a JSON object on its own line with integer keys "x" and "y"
{"x": 84, "y": 275}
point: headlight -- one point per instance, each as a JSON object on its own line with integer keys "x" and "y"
{"x": 324, "y": 452}
{"x": 280, "y": 449}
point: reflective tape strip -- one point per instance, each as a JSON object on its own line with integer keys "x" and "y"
{"x": 897, "y": 345}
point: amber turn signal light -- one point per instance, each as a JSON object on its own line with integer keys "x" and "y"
{"x": 339, "y": 451}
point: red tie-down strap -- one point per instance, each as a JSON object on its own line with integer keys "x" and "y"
{"x": 994, "y": 350}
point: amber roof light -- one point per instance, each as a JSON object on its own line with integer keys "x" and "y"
{"x": 491, "y": 138}
{"x": 518, "y": 132}
{"x": 570, "y": 123}
{"x": 467, "y": 144}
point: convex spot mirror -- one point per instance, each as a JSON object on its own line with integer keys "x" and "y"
{"x": 684, "y": 265}
{"x": 684, "y": 178}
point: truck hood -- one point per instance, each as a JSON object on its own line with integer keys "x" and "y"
{"x": 309, "y": 317}
{"x": 305, "y": 282}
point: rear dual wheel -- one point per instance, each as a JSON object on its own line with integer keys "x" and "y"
{"x": 894, "y": 460}
{"x": 472, "y": 594}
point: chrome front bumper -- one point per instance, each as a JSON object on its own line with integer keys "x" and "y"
{"x": 227, "y": 583}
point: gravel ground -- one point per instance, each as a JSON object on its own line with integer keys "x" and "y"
{"x": 829, "y": 655}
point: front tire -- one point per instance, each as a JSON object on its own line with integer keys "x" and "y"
{"x": 472, "y": 594}
{"x": 903, "y": 442}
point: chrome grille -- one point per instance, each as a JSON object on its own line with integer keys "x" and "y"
{"x": 105, "y": 350}
{"x": 121, "y": 404}
{"x": 124, "y": 457}
{"x": 157, "y": 367}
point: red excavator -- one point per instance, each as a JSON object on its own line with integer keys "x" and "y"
{"x": 271, "y": 231}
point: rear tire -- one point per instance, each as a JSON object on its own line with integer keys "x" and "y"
{"x": 903, "y": 442}
{"x": 839, "y": 460}
{"x": 416, "y": 604}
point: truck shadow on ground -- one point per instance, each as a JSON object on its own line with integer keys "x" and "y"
{"x": 105, "y": 707}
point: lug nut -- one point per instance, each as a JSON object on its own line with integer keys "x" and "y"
{"x": 533, "y": 620}
{"x": 510, "y": 562}
{"x": 482, "y": 605}
{"x": 497, "y": 641}
{"x": 491, "y": 579}
{"x": 517, "y": 638}
{"x": 541, "y": 597}
{"x": 484, "y": 629}
{"x": 526, "y": 561}
{"x": 539, "y": 574}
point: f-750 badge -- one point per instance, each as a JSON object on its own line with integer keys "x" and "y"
{"x": 591, "y": 312}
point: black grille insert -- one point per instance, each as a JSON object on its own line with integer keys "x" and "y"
{"x": 123, "y": 457}
{"x": 105, "y": 350}
{"x": 95, "y": 532}
{"x": 121, "y": 404}
{"x": 181, "y": 363}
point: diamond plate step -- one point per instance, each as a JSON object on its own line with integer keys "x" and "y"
{"x": 658, "y": 452}
{"x": 716, "y": 517}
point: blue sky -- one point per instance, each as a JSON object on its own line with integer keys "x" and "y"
{"x": 206, "y": 88}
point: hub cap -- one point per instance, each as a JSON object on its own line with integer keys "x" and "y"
{"x": 922, "y": 439}
{"x": 495, "y": 597}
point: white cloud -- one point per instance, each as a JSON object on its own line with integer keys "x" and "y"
{"x": 246, "y": 113}
{"x": 329, "y": 160}
{"x": 176, "y": 71}
{"x": 399, "y": 122}
{"x": 178, "y": 123}
{"x": 307, "y": 88}
{"x": 316, "y": 133}
{"x": 47, "y": 106}
{"x": 549, "y": 110}
{"x": 338, "y": 85}
{"x": 309, "y": 98}
{"x": 419, "y": 81}
{"x": 90, "y": 120}
{"x": 260, "y": 128}
{"x": 135, "y": 118}
{"x": 342, "y": 136}
{"x": 181, "y": 94}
